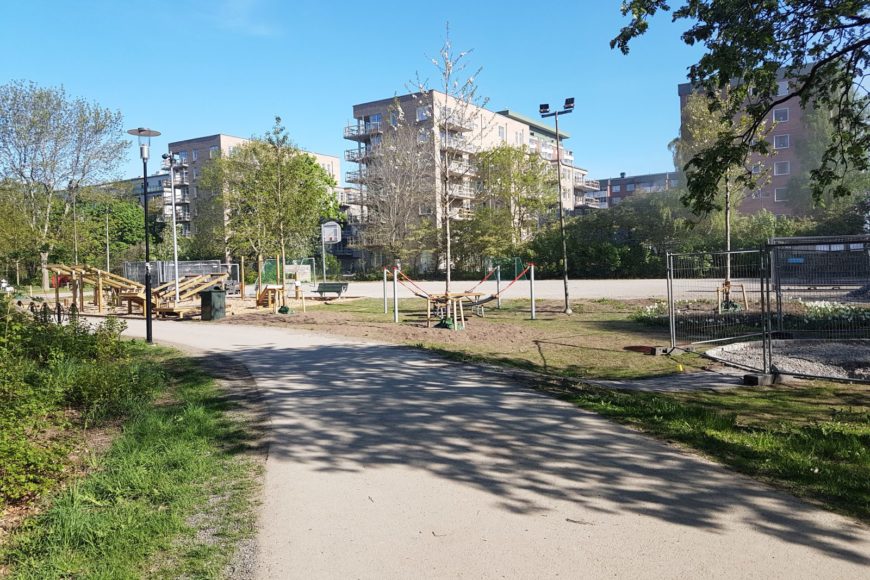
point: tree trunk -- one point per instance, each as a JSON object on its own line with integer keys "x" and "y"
{"x": 447, "y": 245}
{"x": 43, "y": 263}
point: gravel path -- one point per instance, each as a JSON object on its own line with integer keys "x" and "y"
{"x": 386, "y": 462}
{"x": 848, "y": 359}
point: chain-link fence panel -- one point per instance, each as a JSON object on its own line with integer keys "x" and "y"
{"x": 820, "y": 307}
{"x": 715, "y": 297}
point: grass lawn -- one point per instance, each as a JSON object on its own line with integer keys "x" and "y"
{"x": 171, "y": 497}
{"x": 811, "y": 438}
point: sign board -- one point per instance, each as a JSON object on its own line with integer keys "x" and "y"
{"x": 301, "y": 272}
{"x": 330, "y": 232}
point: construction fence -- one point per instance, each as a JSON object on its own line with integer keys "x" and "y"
{"x": 164, "y": 271}
{"x": 798, "y": 306}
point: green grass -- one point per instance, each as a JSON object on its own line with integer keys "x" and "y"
{"x": 176, "y": 469}
{"x": 813, "y": 441}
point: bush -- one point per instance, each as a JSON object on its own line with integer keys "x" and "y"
{"x": 47, "y": 369}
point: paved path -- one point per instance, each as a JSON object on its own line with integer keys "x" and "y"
{"x": 544, "y": 289}
{"x": 390, "y": 463}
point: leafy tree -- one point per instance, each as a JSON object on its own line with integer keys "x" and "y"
{"x": 52, "y": 145}
{"x": 821, "y": 48}
{"x": 517, "y": 182}
{"x": 273, "y": 195}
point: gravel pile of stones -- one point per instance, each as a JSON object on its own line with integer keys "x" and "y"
{"x": 848, "y": 359}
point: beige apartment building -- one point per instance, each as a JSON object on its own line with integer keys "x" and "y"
{"x": 457, "y": 133}
{"x": 192, "y": 155}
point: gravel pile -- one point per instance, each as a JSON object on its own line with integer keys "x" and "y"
{"x": 848, "y": 359}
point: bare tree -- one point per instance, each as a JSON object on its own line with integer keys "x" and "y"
{"x": 458, "y": 126}
{"x": 399, "y": 181}
{"x": 51, "y": 146}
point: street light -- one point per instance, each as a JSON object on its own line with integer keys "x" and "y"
{"x": 545, "y": 112}
{"x": 171, "y": 159}
{"x": 144, "y": 136}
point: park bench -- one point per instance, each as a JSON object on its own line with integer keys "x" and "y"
{"x": 331, "y": 287}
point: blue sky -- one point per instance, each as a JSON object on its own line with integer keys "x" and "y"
{"x": 190, "y": 68}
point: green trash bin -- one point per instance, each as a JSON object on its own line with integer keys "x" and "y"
{"x": 213, "y": 304}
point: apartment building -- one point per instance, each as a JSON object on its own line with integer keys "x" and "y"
{"x": 787, "y": 134}
{"x": 457, "y": 132}
{"x": 192, "y": 155}
{"x": 613, "y": 190}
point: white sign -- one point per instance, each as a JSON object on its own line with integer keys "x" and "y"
{"x": 331, "y": 233}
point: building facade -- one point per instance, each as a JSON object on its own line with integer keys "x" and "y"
{"x": 787, "y": 133}
{"x": 613, "y": 190}
{"x": 456, "y": 132}
{"x": 192, "y": 155}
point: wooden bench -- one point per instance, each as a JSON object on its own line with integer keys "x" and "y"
{"x": 331, "y": 287}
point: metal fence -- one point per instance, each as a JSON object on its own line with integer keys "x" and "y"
{"x": 714, "y": 297}
{"x": 164, "y": 271}
{"x": 798, "y": 306}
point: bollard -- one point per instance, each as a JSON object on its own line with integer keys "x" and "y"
{"x": 395, "y": 294}
{"x": 532, "y": 288}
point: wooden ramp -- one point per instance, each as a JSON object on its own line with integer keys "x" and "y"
{"x": 108, "y": 287}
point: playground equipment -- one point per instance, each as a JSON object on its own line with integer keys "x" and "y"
{"x": 108, "y": 287}
{"x": 450, "y": 306}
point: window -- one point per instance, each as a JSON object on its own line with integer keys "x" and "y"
{"x": 781, "y": 168}
{"x": 394, "y": 119}
{"x": 183, "y": 156}
{"x": 629, "y": 187}
{"x": 756, "y": 169}
{"x": 195, "y": 173}
{"x": 213, "y": 151}
{"x": 376, "y": 139}
{"x": 781, "y": 88}
{"x": 423, "y": 135}
{"x": 780, "y": 115}
{"x": 615, "y": 189}
{"x": 780, "y": 141}
{"x": 422, "y": 113}
{"x": 193, "y": 153}
{"x": 779, "y": 194}
{"x": 501, "y": 133}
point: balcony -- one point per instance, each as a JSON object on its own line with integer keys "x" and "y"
{"x": 363, "y": 131}
{"x": 454, "y": 122}
{"x": 580, "y": 182}
{"x": 462, "y": 192}
{"x": 461, "y": 168}
{"x": 357, "y": 176}
{"x": 358, "y": 155}
{"x": 460, "y": 144}
{"x": 350, "y": 198}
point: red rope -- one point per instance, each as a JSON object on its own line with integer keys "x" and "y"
{"x": 515, "y": 279}
{"x": 402, "y": 274}
{"x": 485, "y": 278}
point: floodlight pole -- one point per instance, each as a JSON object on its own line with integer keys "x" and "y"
{"x": 545, "y": 112}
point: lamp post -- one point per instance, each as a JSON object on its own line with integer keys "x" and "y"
{"x": 170, "y": 160}
{"x": 144, "y": 136}
{"x": 545, "y": 112}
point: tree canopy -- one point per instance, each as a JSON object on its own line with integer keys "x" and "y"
{"x": 761, "y": 53}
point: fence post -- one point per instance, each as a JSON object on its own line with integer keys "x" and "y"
{"x": 532, "y": 289}
{"x": 672, "y": 313}
{"x": 385, "y": 291}
{"x": 498, "y": 286}
{"x": 766, "y": 322}
{"x": 395, "y": 294}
